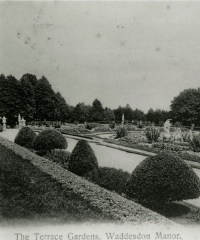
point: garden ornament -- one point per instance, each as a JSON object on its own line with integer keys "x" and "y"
{"x": 167, "y": 126}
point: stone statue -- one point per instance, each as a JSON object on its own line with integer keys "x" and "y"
{"x": 167, "y": 126}
{"x": 123, "y": 119}
{"x": 4, "y": 122}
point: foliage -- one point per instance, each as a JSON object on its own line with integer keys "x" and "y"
{"x": 121, "y": 132}
{"x": 59, "y": 156}
{"x": 25, "y": 137}
{"x": 186, "y": 136}
{"x": 152, "y": 134}
{"x": 177, "y": 124}
{"x": 195, "y": 142}
{"x": 109, "y": 114}
{"x": 163, "y": 178}
{"x": 50, "y": 139}
{"x": 112, "y": 125}
{"x": 92, "y": 125}
{"x": 50, "y": 192}
{"x": 32, "y": 98}
{"x": 186, "y": 106}
{"x": 63, "y": 108}
{"x": 29, "y": 193}
{"x": 9, "y": 98}
{"x": 82, "y": 112}
{"x": 1, "y": 128}
{"x": 113, "y": 179}
{"x": 97, "y": 111}
{"x": 27, "y": 93}
{"x": 168, "y": 146}
{"x": 83, "y": 161}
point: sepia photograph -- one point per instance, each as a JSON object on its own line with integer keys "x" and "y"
{"x": 99, "y": 120}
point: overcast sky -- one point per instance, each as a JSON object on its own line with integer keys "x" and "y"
{"x": 141, "y": 53}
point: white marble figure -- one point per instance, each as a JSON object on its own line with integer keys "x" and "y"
{"x": 21, "y": 122}
{"x": 123, "y": 119}
{"x": 167, "y": 126}
{"x": 4, "y": 122}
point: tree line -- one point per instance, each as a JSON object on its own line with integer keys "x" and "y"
{"x": 35, "y": 100}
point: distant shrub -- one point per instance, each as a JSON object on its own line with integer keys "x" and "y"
{"x": 113, "y": 179}
{"x": 57, "y": 125}
{"x": 177, "y": 124}
{"x": 171, "y": 147}
{"x": 163, "y": 178}
{"x": 91, "y": 125}
{"x": 83, "y": 161}
{"x": 25, "y": 137}
{"x": 152, "y": 134}
{"x": 121, "y": 132}
{"x": 50, "y": 139}
{"x": 161, "y": 124}
{"x": 59, "y": 156}
{"x": 1, "y": 128}
{"x": 195, "y": 142}
{"x": 112, "y": 125}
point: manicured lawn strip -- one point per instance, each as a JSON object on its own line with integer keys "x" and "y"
{"x": 105, "y": 204}
{"x": 182, "y": 155}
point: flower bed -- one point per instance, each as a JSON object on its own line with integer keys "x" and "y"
{"x": 46, "y": 188}
{"x": 187, "y": 155}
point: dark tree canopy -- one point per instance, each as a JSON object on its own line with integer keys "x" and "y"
{"x": 31, "y": 98}
{"x": 186, "y": 107}
{"x": 97, "y": 111}
{"x": 82, "y": 112}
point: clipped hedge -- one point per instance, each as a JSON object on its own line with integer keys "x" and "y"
{"x": 50, "y": 139}
{"x": 59, "y": 156}
{"x": 163, "y": 178}
{"x": 25, "y": 137}
{"x": 113, "y": 179}
{"x": 86, "y": 199}
{"x": 83, "y": 161}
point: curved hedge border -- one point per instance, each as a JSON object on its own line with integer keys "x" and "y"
{"x": 109, "y": 204}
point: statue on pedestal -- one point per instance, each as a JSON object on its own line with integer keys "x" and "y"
{"x": 4, "y": 122}
{"x": 167, "y": 126}
{"x": 123, "y": 119}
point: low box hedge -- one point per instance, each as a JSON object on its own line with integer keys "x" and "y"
{"x": 48, "y": 188}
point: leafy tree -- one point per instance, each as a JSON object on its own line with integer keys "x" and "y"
{"x": 186, "y": 107}
{"x": 27, "y": 99}
{"x": 46, "y": 101}
{"x": 81, "y": 112}
{"x": 62, "y": 107}
{"x": 30, "y": 78}
{"x": 9, "y": 98}
{"x": 128, "y": 113}
{"x": 97, "y": 111}
{"x": 118, "y": 113}
{"x": 150, "y": 115}
{"x": 108, "y": 114}
{"x": 139, "y": 115}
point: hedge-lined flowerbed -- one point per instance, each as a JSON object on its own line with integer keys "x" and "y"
{"x": 182, "y": 154}
{"x": 50, "y": 189}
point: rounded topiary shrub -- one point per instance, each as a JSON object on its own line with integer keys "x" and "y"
{"x": 161, "y": 179}
{"x": 25, "y": 137}
{"x": 1, "y": 128}
{"x": 50, "y": 139}
{"x": 83, "y": 161}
